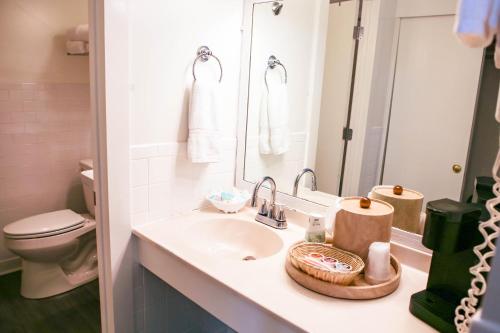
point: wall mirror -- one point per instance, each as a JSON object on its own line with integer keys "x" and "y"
{"x": 363, "y": 93}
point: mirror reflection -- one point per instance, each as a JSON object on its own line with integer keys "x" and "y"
{"x": 347, "y": 95}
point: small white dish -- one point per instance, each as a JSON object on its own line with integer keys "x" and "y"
{"x": 228, "y": 201}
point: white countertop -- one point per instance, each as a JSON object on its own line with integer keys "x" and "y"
{"x": 265, "y": 284}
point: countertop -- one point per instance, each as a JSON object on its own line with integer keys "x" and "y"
{"x": 264, "y": 283}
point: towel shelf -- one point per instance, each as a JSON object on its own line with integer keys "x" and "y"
{"x": 272, "y": 62}
{"x": 203, "y": 55}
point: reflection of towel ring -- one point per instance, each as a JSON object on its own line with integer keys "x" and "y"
{"x": 204, "y": 53}
{"x": 272, "y": 62}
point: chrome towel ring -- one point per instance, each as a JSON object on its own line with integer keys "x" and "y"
{"x": 204, "y": 54}
{"x": 272, "y": 62}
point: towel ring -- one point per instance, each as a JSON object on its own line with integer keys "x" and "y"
{"x": 272, "y": 62}
{"x": 204, "y": 54}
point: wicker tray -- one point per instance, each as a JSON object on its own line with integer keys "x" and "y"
{"x": 358, "y": 289}
{"x": 299, "y": 252}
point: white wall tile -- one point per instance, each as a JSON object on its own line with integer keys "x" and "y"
{"x": 140, "y": 202}
{"x": 159, "y": 200}
{"x": 140, "y": 172}
{"x": 161, "y": 169}
{"x": 175, "y": 185}
{"x": 143, "y": 151}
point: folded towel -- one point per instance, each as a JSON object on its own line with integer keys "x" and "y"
{"x": 273, "y": 131}
{"x": 77, "y": 47}
{"x": 204, "y": 108}
{"x": 264, "y": 131}
{"x": 80, "y": 32}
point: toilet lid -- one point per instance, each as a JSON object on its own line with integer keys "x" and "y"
{"x": 47, "y": 223}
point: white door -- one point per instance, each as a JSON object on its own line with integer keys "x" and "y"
{"x": 432, "y": 110}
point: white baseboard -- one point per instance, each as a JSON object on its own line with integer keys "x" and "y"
{"x": 10, "y": 265}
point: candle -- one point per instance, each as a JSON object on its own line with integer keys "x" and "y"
{"x": 378, "y": 268}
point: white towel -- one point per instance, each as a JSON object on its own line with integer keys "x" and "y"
{"x": 264, "y": 131}
{"x": 77, "y": 47}
{"x": 204, "y": 108}
{"x": 80, "y": 32}
{"x": 273, "y": 131}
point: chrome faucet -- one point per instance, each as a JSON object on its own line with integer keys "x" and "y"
{"x": 273, "y": 214}
{"x": 314, "y": 186}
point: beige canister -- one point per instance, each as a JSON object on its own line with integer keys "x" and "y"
{"x": 359, "y": 222}
{"x": 407, "y": 205}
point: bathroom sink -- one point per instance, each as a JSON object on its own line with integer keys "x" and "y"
{"x": 235, "y": 239}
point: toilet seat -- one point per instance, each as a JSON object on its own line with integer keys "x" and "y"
{"x": 44, "y": 225}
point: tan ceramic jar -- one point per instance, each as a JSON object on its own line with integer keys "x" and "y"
{"x": 407, "y": 205}
{"x": 357, "y": 226}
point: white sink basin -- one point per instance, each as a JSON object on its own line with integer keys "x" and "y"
{"x": 234, "y": 239}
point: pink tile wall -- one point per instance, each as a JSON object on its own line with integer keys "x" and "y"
{"x": 44, "y": 132}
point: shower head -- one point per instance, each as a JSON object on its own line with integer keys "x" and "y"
{"x": 277, "y": 6}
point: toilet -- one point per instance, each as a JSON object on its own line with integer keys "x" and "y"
{"x": 58, "y": 249}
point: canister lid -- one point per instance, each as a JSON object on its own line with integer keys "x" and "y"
{"x": 377, "y": 207}
{"x": 388, "y": 191}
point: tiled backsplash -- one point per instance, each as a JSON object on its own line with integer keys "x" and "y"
{"x": 283, "y": 168}
{"x": 44, "y": 132}
{"x": 165, "y": 183}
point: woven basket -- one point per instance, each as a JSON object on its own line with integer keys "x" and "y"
{"x": 298, "y": 252}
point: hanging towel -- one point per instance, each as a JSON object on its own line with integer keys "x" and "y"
{"x": 80, "y": 32}
{"x": 77, "y": 47}
{"x": 204, "y": 108}
{"x": 264, "y": 131}
{"x": 273, "y": 131}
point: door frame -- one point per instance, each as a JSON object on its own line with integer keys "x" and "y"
{"x": 98, "y": 114}
{"x": 407, "y": 10}
{"x": 411, "y": 9}
{"x": 364, "y": 77}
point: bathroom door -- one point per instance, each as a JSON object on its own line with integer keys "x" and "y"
{"x": 432, "y": 109}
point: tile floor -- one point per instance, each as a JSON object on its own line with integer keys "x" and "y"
{"x": 76, "y": 311}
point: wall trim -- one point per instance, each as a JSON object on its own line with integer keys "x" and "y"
{"x": 141, "y": 151}
{"x": 10, "y": 265}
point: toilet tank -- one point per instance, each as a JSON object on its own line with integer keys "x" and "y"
{"x": 87, "y": 178}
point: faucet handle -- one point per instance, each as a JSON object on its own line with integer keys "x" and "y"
{"x": 263, "y": 210}
{"x": 280, "y": 213}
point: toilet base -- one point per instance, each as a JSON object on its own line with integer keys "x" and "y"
{"x": 41, "y": 280}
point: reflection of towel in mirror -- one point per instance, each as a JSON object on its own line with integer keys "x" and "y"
{"x": 204, "y": 106}
{"x": 477, "y": 23}
{"x": 273, "y": 131}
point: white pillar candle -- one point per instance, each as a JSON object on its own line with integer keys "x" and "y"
{"x": 378, "y": 266}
